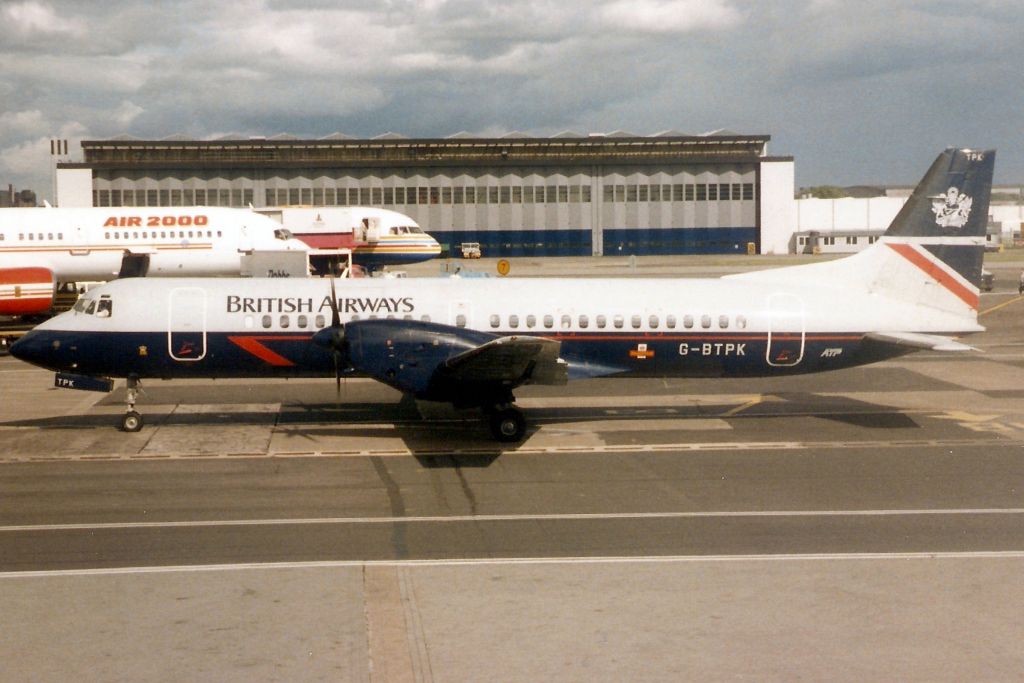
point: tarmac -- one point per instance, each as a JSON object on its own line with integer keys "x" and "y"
{"x": 861, "y": 524}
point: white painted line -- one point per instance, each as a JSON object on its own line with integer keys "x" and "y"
{"x": 511, "y": 518}
{"x": 512, "y": 561}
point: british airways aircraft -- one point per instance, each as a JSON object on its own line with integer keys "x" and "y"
{"x": 40, "y": 247}
{"x": 472, "y": 342}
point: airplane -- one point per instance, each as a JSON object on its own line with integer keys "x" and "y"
{"x": 41, "y": 247}
{"x": 377, "y": 237}
{"x": 473, "y": 342}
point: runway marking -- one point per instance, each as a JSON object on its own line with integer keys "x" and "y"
{"x": 497, "y": 450}
{"x": 738, "y": 409}
{"x": 723, "y": 514}
{"x": 513, "y": 561}
{"x": 998, "y": 306}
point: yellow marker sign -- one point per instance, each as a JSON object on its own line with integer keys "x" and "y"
{"x": 504, "y": 267}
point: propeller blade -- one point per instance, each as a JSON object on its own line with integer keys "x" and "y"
{"x": 335, "y": 314}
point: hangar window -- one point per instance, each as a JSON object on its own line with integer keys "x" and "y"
{"x": 422, "y": 195}
{"x": 528, "y": 194}
{"x": 517, "y": 194}
{"x": 471, "y": 195}
{"x": 531, "y": 321}
{"x": 549, "y": 321}
{"x": 631, "y": 193}
{"x": 495, "y": 320}
{"x": 723, "y": 192}
{"x": 538, "y": 194}
{"x": 267, "y": 321}
{"x": 712, "y": 192}
{"x": 574, "y": 194}
{"x": 654, "y": 191}
{"x": 504, "y": 194}
{"x": 271, "y": 197}
{"x": 617, "y": 322}
{"x": 687, "y": 321}
{"x": 458, "y": 195}
{"x": 737, "y": 191}
{"x": 851, "y": 239}
{"x": 688, "y": 192}
{"x": 705, "y": 321}
{"x": 872, "y": 239}
{"x": 702, "y": 192}
{"x": 620, "y": 193}
{"x": 563, "y": 194}
{"x": 748, "y": 190}
{"x": 802, "y": 241}
{"x": 643, "y": 193}
{"x": 609, "y": 193}
{"x": 829, "y": 240}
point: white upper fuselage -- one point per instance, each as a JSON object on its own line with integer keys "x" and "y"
{"x": 89, "y": 244}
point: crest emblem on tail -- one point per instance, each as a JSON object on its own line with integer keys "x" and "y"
{"x": 952, "y": 209}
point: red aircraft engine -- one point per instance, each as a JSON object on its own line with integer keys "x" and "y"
{"x": 26, "y": 291}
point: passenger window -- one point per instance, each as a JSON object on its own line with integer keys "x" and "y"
{"x": 670, "y": 322}
{"x": 513, "y": 321}
{"x": 602, "y": 321}
{"x": 267, "y": 322}
{"x": 705, "y": 321}
{"x": 425, "y": 318}
{"x": 549, "y": 322}
{"x": 566, "y": 322}
{"x": 652, "y": 322}
{"x": 584, "y": 322}
{"x": 302, "y": 321}
{"x": 617, "y": 321}
{"x": 285, "y": 321}
{"x": 635, "y": 322}
{"x": 687, "y": 321}
{"x": 723, "y": 321}
{"x": 321, "y": 321}
{"x": 249, "y": 322}
{"x": 741, "y": 322}
{"x": 495, "y": 320}
{"x": 531, "y": 321}
{"x": 460, "y": 320}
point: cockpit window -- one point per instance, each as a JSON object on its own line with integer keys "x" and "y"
{"x": 104, "y": 308}
{"x": 80, "y": 305}
{"x": 90, "y": 307}
{"x": 415, "y": 230}
{"x": 283, "y": 234}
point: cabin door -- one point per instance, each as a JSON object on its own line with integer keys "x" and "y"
{"x": 786, "y": 330}
{"x": 186, "y": 325}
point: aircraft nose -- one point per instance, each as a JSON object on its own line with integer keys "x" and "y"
{"x": 38, "y": 348}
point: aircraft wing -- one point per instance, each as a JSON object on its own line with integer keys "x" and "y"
{"x": 447, "y": 363}
{"x": 510, "y": 360}
{"x": 928, "y": 342}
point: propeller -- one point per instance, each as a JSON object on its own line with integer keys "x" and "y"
{"x": 333, "y": 338}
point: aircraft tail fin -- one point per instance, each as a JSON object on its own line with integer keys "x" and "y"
{"x": 931, "y": 255}
{"x": 947, "y": 214}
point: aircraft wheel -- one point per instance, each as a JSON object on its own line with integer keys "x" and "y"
{"x": 131, "y": 422}
{"x": 508, "y": 425}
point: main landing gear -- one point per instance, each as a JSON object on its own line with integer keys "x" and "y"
{"x": 507, "y": 423}
{"x": 131, "y": 421}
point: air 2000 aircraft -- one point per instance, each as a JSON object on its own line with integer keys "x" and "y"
{"x": 472, "y": 342}
{"x": 44, "y": 246}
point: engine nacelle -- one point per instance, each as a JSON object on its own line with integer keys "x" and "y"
{"x": 26, "y": 291}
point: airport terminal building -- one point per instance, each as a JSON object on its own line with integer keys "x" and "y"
{"x": 516, "y": 195}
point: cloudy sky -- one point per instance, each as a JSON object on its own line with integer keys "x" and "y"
{"x": 857, "y": 92}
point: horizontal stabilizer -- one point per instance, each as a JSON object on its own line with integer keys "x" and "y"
{"x": 928, "y": 342}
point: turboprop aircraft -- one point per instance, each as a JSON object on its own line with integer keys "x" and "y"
{"x": 40, "y": 247}
{"x": 472, "y": 342}
{"x": 377, "y": 237}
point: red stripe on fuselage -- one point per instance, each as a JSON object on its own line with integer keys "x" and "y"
{"x": 938, "y": 273}
{"x": 255, "y": 346}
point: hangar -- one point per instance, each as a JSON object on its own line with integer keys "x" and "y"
{"x": 569, "y": 194}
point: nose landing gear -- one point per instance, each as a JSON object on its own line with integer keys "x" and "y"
{"x": 131, "y": 421}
